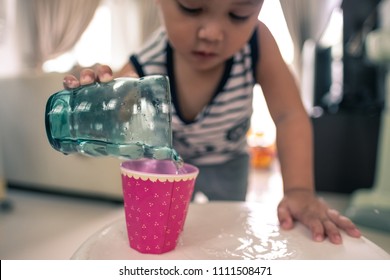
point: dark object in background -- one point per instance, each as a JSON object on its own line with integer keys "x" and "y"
{"x": 346, "y": 139}
{"x": 345, "y": 151}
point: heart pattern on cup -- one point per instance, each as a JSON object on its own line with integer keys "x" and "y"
{"x": 155, "y": 212}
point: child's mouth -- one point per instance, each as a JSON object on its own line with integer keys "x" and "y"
{"x": 202, "y": 54}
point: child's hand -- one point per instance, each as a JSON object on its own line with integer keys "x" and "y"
{"x": 305, "y": 207}
{"x": 102, "y": 74}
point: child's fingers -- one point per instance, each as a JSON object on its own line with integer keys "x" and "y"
{"x": 104, "y": 73}
{"x": 87, "y": 76}
{"x": 70, "y": 82}
{"x": 344, "y": 223}
{"x": 284, "y": 216}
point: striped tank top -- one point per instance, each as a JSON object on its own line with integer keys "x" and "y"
{"x": 218, "y": 133}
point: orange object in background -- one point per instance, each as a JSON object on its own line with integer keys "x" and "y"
{"x": 262, "y": 151}
{"x": 262, "y": 157}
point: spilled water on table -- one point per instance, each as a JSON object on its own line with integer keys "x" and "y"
{"x": 251, "y": 238}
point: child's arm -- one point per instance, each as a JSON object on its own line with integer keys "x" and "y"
{"x": 295, "y": 147}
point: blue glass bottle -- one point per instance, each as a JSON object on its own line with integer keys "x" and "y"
{"x": 127, "y": 118}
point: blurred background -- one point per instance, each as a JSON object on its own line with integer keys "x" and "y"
{"x": 322, "y": 41}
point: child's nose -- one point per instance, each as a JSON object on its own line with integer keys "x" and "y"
{"x": 211, "y": 32}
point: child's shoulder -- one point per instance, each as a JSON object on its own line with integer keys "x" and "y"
{"x": 266, "y": 41}
{"x": 263, "y": 32}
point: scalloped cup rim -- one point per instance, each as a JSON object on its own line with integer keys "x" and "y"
{"x": 162, "y": 177}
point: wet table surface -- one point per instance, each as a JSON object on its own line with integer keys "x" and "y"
{"x": 231, "y": 230}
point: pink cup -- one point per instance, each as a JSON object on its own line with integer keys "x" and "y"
{"x": 156, "y": 200}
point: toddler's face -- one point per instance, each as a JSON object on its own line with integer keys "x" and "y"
{"x": 207, "y": 32}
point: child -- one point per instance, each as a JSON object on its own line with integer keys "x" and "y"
{"x": 214, "y": 52}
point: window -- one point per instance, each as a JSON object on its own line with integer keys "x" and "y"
{"x": 85, "y": 53}
{"x": 272, "y": 15}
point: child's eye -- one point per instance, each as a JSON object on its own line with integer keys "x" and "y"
{"x": 238, "y": 18}
{"x": 191, "y": 11}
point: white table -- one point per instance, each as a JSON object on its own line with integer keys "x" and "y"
{"x": 231, "y": 230}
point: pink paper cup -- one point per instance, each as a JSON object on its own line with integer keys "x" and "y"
{"x": 156, "y": 200}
